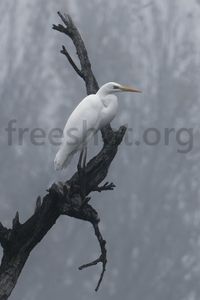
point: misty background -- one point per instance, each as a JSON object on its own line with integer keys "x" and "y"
{"x": 151, "y": 221}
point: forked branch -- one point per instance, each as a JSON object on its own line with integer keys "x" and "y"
{"x": 65, "y": 198}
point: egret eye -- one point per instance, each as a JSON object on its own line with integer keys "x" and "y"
{"x": 115, "y": 87}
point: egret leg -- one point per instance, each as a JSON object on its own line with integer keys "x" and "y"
{"x": 82, "y": 172}
{"x": 82, "y": 159}
{"x": 85, "y": 157}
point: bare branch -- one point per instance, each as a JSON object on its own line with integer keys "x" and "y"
{"x": 62, "y": 198}
{"x": 103, "y": 257}
{"x": 66, "y": 53}
{"x": 16, "y": 223}
{"x": 106, "y": 187}
{"x": 38, "y": 204}
{"x": 4, "y": 236}
{"x": 64, "y": 19}
{"x": 71, "y": 31}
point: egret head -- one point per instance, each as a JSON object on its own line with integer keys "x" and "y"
{"x": 113, "y": 87}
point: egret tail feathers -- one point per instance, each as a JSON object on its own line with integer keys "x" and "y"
{"x": 60, "y": 163}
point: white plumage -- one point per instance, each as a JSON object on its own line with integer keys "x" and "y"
{"x": 93, "y": 112}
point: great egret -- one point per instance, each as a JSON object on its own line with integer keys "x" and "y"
{"x": 93, "y": 112}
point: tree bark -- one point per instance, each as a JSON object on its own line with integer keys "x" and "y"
{"x": 10, "y": 270}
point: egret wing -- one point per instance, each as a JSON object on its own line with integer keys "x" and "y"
{"x": 83, "y": 122}
{"x": 80, "y": 127}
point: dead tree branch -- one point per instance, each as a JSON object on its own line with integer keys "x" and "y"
{"x": 65, "y": 199}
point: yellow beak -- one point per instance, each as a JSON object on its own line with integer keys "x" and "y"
{"x": 129, "y": 89}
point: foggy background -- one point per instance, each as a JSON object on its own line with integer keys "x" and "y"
{"x": 151, "y": 221}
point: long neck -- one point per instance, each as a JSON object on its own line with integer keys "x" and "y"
{"x": 109, "y": 109}
{"x": 106, "y": 97}
{"x": 102, "y": 92}
{"x": 109, "y": 100}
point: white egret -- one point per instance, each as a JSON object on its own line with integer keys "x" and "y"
{"x": 93, "y": 112}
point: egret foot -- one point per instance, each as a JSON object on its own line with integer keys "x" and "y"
{"x": 82, "y": 173}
